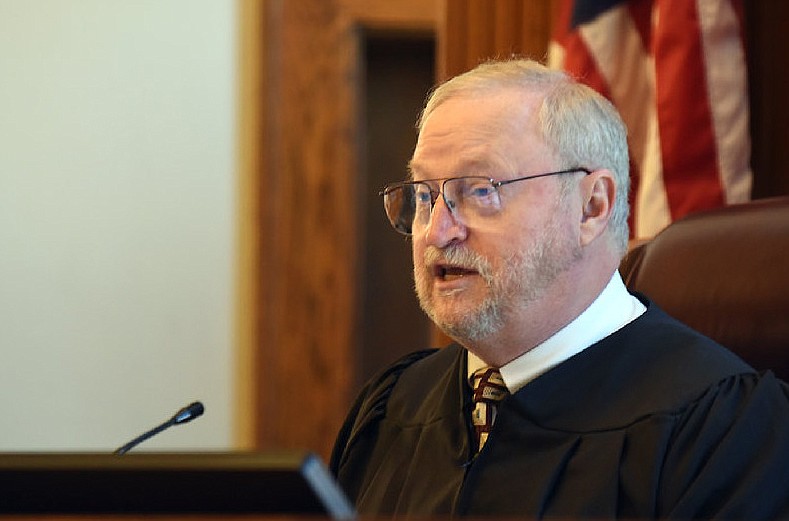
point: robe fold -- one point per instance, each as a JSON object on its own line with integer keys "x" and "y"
{"x": 653, "y": 421}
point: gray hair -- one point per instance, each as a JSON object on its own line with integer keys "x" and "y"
{"x": 580, "y": 125}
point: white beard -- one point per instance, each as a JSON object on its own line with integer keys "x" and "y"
{"x": 514, "y": 285}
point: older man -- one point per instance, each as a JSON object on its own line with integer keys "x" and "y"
{"x": 564, "y": 395}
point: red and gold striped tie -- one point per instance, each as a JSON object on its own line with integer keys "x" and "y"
{"x": 489, "y": 389}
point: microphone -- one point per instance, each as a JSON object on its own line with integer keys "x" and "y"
{"x": 187, "y": 414}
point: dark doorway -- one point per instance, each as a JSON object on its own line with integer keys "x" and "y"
{"x": 399, "y": 72}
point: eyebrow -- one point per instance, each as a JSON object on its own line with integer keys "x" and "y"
{"x": 409, "y": 168}
{"x": 470, "y": 166}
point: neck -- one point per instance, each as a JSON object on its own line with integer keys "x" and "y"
{"x": 527, "y": 327}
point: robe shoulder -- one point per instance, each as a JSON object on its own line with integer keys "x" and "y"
{"x": 372, "y": 402}
{"x": 654, "y": 365}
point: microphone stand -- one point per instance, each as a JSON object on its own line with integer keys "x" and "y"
{"x": 188, "y": 413}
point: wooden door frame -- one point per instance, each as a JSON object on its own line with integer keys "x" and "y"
{"x": 298, "y": 243}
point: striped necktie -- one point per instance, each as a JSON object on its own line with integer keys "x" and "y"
{"x": 489, "y": 389}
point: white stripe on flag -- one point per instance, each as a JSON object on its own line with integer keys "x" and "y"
{"x": 728, "y": 94}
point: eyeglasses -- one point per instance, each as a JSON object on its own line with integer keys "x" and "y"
{"x": 411, "y": 202}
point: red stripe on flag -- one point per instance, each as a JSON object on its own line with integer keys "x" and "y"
{"x": 580, "y": 63}
{"x": 687, "y": 140}
{"x": 641, "y": 13}
{"x": 563, "y": 19}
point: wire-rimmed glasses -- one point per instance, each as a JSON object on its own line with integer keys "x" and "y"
{"x": 411, "y": 202}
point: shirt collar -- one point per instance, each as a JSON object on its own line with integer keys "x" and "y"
{"x": 613, "y": 309}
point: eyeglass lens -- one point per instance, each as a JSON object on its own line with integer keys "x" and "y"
{"x": 412, "y": 203}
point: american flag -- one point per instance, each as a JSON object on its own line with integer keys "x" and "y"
{"x": 676, "y": 71}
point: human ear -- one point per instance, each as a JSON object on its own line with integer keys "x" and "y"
{"x": 598, "y": 190}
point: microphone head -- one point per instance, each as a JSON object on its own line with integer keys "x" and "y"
{"x": 189, "y": 413}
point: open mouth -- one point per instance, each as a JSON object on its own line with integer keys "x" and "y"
{"x": 448, "y": 272}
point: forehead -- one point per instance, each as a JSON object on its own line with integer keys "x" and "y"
{"x": 480, "y": 134}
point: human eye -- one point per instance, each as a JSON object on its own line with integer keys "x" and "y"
{"x": 422, "y": 194}
{"x": 478, "y": 188}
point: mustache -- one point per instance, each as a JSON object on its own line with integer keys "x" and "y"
{"x": 459, "y": 256}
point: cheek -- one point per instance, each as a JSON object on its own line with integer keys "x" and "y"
{"x": 502, "y": 242}
{"x": 417, "y": 254}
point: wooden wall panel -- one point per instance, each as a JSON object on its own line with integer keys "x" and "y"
{"x": 308, "y": 226}
{"x": 475, "y": 30}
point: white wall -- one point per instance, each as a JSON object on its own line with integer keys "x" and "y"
{"x": 117, "y": 143}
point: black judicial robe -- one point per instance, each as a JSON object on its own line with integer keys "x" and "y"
{"x": 654, "y": 421}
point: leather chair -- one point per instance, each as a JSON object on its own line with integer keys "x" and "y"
{"x": 725, "y": 273}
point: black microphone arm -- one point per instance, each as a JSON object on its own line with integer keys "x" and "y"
{"x": 188, "y": 413}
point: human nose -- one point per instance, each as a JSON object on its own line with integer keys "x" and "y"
{"x": 444, "y": 226}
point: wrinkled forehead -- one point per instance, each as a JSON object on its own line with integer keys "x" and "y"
{"x": 478, "y": 135}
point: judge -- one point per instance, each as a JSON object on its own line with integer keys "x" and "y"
{"x": 563, "y": 394}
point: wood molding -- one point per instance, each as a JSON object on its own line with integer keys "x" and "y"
{"x": 406, "y": 15}
{"x": 249, "y": 164}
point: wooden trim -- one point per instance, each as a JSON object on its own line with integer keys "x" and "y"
{"x": 408, "y": 15}
{"x": 250, "y": 136}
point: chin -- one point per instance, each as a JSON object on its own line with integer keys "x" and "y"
{"x": 465, "y": 323}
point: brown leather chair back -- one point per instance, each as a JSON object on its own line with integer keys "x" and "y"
{"x": 725, "y": 273}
